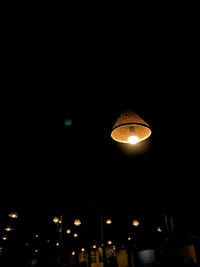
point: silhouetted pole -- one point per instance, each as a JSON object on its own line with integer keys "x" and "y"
{"x": 102, "y": 231}
{"x": 170, "y": 229}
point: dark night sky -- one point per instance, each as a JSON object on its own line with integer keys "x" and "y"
{"x": 98, "y": 73}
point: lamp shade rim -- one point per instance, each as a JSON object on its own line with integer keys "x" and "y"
{"x": 124, "y": 139}
{"x": 131, "y": 123}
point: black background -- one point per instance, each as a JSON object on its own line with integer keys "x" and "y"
{"x": 97, "y": 71}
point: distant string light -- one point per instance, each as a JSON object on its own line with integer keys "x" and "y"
{"x": 94, "y": 246}
{"x": 73, "y": 253}
{"x": 13, "y": 215}
{"x": 109, "y": 242}
{"x": 75, "y": 235}
{"x": 68, "y": 231}
{"x": 4, "y": 238}
{"x": 8, "y": 229}
{"x": 56, "y": 220}
{"x": 77, "y": 222}
{"x": 159, "y": 229}
{"x": 136, "y": 223}
{"x": 108, "y": 221}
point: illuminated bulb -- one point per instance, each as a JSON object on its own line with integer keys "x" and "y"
{"x": 36, "y": 236}
{"x": 57, "y": 244}
{"x": 129, "y": 238}
{"x": 133, "y": 140}
{"x": 75, "y": 235}
{"x": 8, "y": 229}
{"x": 4, "y": 238}
{"x": 82, "y": 249}
{"x": 94, "y": 246}
{"x": 13, "y": 215}
{"x": 109, "y": 221}
{"x": 36, "y": 250}
{"x": 73, "y": 253}
{"x": 159, "y": 229}
{"x": 56, "y": 220}
{"x": 136, "y": 223}
{"x": 77, "y": 222}
{"x": 109, "y": 242}
{"x": 68, "y": 231}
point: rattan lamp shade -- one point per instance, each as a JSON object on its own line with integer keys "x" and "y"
{"x": 129, "y": 123}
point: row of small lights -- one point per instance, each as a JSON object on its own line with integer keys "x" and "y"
{"x": 13, "y": 215}
{"x": 77, "y": 222}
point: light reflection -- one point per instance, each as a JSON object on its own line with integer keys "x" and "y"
{"x": 133, "y": 140}
{"x": 135, "y": 150}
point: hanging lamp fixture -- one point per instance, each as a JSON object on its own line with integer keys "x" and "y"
{"x": 130, "y": 128}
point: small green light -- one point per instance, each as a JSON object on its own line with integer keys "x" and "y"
{"x": 67, "y": 122}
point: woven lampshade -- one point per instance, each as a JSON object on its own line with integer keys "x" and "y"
{"x": 130, "y": 124}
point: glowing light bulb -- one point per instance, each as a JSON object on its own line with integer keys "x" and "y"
{"x": 8, "y": 229}
{"x": 133, "y": 140}
{"x": 109, "y": 221}
{"x": 68, "y": 231}
{"x": 13, "y": 215}
{"x": 73, "y": 253}
{"x": 94, "y": 246}
{"x": 83, "y": 249}
{"x": 56, "y": 220}
{"x": 77, "y": 222}
{"x": 136, "y": 223}
{"x": 159, "y": 229}
{"x": 75, "y": 235}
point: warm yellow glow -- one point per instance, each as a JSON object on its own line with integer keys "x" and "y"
{"x": 129, "y": 238}
{"x": 159, "y": 229}
{"x": 4, "y": 237}
{"x": 77, "y": 222}
{"x": 56, "y": 220}
{"x": 75, "y": 235}
{"x": 109, "y": 221}
{"x": 133, "y": 140}
{"x": 13, "y": 215}
{"x": 109, "y": 242}
{"x": 8, "y": 229}
{"x": 130, "y": 124}
{"x": 73, "y": 253}
{"x": 68, "y": 231}
{"x": 82, "y": 249}
{"x": 36, "y": 250}
{"x": 94, "y": 246}
{"x": 136, "y": 222}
